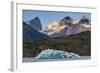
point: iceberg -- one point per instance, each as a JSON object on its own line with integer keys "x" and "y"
{"x": 56, "y": 54}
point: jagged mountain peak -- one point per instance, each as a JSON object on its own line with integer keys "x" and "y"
{"x": 84, "y": 20}
{"x": 66, "y": 21}
{"x": 36, "y": 18}
{"x": 30, "y": 34}
{"x": 35, "y": 23}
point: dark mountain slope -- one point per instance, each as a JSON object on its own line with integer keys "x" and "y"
{"x": 30, "y": 34}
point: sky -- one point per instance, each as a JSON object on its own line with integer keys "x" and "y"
{"x": 50, "y": 16}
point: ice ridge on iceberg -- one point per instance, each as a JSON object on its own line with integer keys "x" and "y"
{"x": 56, "y": 54}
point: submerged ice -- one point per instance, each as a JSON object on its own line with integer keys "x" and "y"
{"x": 56, "y": 54}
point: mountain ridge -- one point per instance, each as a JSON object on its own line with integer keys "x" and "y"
{"x": 67, "y": 26}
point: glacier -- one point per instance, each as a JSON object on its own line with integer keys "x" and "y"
{"x": 56, "y": 54}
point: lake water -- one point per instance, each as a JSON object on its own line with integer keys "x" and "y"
{"x": 43, "y": 60}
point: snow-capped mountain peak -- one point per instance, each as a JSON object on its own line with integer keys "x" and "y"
{"x": 54, "y": 27}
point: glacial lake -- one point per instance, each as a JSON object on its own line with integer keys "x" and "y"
{"x": 26, "y": 60}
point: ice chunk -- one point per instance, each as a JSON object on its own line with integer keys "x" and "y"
{"x": 56, "y": 54}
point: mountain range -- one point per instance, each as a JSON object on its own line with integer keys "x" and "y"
{"x": 32, "y": 30}
{"x": 67, "y": 26}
